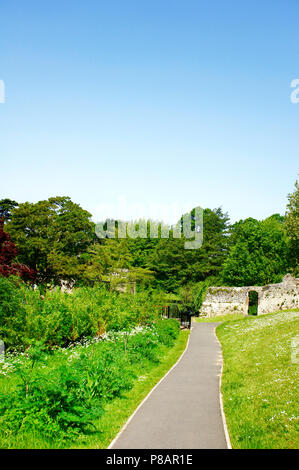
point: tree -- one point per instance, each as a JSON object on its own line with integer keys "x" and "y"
{"x": 142, "y": 248}
{"x": 258, "y": 254}
{"x": 175, "y": 266}
{"x": 111, "y": 261}
{"x": 104, "y": 257}
{"x": 51, "y": 236}
{"x": 6, "y": 206}
{"x": 292, "y": 226}
{"x": 208, "y": 260}
{"x": 169, "y": 262}
{"x": 8, "y": 252}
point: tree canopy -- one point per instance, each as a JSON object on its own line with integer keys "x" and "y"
{"x": 51, "y": 235}
{"x": 6, "y": 206}
{"x": 57, "y": 239}
{"x": 259, "y": 253}
{"x": 8, "y": 253}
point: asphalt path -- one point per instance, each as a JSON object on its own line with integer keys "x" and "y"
{"x": 183, "y": 411}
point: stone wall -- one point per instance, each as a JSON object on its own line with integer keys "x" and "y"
{"x": 229, "y": 300}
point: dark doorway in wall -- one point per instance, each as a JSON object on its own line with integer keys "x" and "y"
{"x": 253, "y": 302}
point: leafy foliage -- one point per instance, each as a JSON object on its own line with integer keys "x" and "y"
{"x": 62, "y": 402}
{"x": 174, "y": 266}
{"x": 51, "y": 235}
{"x": 59, "y": 318}
{"x": 6, "y": 206}
{"x": 57, "y": 239}
{"x": 8, "y": 252}
{"x": 259, "y": 253}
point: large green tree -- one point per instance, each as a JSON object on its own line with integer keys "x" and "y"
{"x": 208, "y": 260}
{"x": 175, "y": 266}
{"x": 6, "y": 206}
{"x": 292, "y": 227}
{"x": 51, "y": 236}
{"x": 111, "y": 261}
{"x": 259, "y": 252}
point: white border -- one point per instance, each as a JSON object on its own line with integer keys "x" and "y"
{"x": 148, "y": 395}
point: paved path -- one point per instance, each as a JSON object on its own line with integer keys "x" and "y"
{"x": 183, "y": 412}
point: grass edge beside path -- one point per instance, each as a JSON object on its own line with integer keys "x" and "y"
{"x": 258, "y": 383}
{"x": 120, "y": 409}
{"x": 220, "y": 318}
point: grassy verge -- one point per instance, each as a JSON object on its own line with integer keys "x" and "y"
{"x": 259, "y": 383}
{"x": 219, "y": 318}
{"x": 119, "y": 410}
{"x": 97, "y": 384}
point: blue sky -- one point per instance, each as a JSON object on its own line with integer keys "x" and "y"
{"x": 156, "y": 102}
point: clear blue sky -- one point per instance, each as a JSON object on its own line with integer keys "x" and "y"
{"x": 157, "y": 101}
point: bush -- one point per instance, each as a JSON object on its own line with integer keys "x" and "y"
{"x": 144, "y": 347}
{"x": 167, "y": 331}
{"x": 62, "y": 394}
{"x": 12, "y": 311}
{"x": 60, "y": 318}
{"x": 199, "y": 292}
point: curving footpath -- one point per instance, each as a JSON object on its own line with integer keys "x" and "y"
{"x": 183, "y": 411}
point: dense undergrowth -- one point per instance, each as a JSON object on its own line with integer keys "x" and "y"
{"x": 59, "y": 318}
{"x": 70, "y": 354}
{"x": 51, "y": 398}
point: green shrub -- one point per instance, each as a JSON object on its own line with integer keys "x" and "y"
{"x": 144, "y": 347}
{"x": 60, "y": 318}
{"x": 12, "y": 311}
{"x": 167, "y": 331}
{"x": 60, "y": 395}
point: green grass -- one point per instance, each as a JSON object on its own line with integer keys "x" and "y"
{"x": 260, "y": 381}
{"x": 220, "y": 318}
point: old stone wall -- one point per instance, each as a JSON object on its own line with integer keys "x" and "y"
{"x": 229, "y": 300}
{"x": 281, "y": 296}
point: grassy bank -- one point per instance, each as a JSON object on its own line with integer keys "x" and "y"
{"x": 260, "y": 381}
{"x": 219, "y": 318}
{"x": 80, "y": 396}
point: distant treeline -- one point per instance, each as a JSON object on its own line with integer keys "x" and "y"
{"x": 55, "y": 239}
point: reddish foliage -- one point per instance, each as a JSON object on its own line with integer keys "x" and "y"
{"x": 8, "y": 251}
